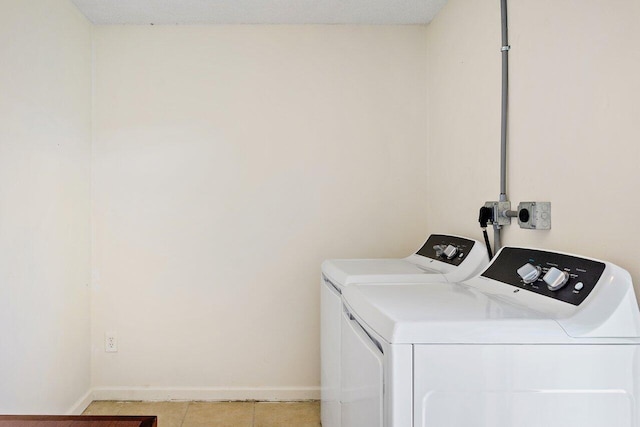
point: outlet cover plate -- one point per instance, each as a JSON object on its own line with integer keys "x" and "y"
{"x": 110, "y": 342}
{"x": 539, "y": 215}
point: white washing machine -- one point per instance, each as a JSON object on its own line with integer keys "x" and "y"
{"x": 538, "y": 339}
{"x": 442, "y": 258}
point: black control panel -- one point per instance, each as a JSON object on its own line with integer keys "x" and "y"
{"x": 450, "y": 249}
{"x": 574, "y": 277}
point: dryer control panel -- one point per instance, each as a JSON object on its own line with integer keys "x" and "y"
{"x": 450, "y": 249}
{"x": 563, "y": 277}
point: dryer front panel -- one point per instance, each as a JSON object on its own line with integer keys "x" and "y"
{"x": 526, "y": 385}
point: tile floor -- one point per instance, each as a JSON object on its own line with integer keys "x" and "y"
{"x": 216, "y": 414}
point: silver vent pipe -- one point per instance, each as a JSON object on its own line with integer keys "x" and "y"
{"x": 503, "y": 119}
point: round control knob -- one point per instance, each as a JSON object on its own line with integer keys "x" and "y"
{"x": 529, "y": 273}
{"x": 555, "y": 278}
{"x": 450, "y": 251}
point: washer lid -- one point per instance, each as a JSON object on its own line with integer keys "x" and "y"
{"x": 344, "y": 272}
{"x": 447, "y": 313}
{"x": 441, "y": 258}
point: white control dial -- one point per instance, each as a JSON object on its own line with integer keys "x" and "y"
{"x": 555, "y": 278}
{"x": 529, "y": 273}
{"x": 450, "y": 251}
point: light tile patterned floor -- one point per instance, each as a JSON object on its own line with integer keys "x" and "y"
{"x": 216, "y": 414}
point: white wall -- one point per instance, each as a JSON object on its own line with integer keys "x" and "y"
{"x": 228, "y": 162}
{"x": 574, "y": 135}
{"x": 45, "y": 141}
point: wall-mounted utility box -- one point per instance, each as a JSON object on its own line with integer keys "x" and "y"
{"x": 534, "y": 215}
{"x": 499, "y": 208}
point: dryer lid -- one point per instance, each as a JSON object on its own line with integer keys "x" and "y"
{"x": 597, "y": 304}
{"x": 446, "y": 313}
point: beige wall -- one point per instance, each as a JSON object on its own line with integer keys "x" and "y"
{"x": 574, "y": 127}
{"x": 228, "y": 162}
{"x": 45, "y": 143}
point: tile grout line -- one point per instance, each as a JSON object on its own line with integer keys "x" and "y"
{"x": 253, "y": 420}
{"x": 184, "y": 416}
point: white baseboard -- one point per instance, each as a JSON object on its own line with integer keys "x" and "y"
{"x": 82, "y": 403}
{"x": 206, "y": 393}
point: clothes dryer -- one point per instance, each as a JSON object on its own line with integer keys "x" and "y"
{"x": 442, "y": 258}
{"x": 538, "y": 339}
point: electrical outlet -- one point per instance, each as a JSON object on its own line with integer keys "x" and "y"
{"x": 500, "y": 210}
{"x": 534, "y": 215}
{"x": 110, "y": 342}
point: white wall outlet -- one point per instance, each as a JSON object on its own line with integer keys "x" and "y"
{"x": 110, "y": 342}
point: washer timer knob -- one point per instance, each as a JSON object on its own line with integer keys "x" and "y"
{"x": 529, "y": 273}
{"x": 555, "y": 278}
{"x": 450, "y": 251}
